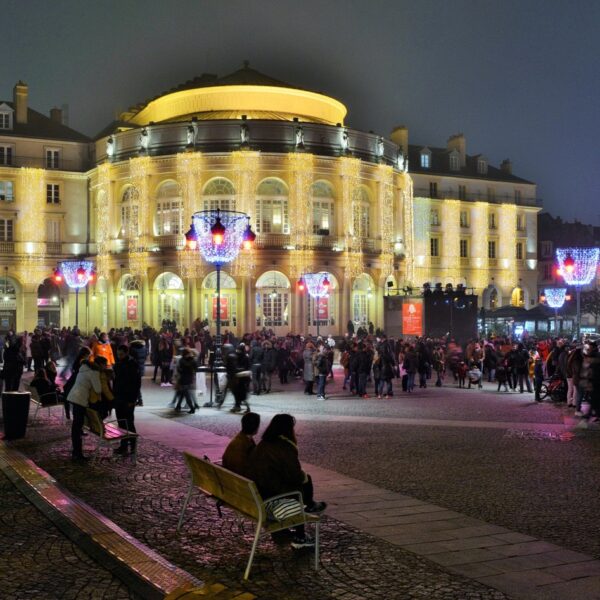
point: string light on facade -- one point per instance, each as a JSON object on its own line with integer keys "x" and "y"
{"x": 577, "y": 266}
{"x": 555, "y": 297}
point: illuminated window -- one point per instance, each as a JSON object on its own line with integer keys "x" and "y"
{"x": 5, "y": 120}
{"x": 219, "y": 193}
{"x": 6, "y": 155}
{"x": 492, "y": 249}
{"x": 52, "y": 158}
{"x": 434, "y": 217}
{"x": 464, "y": 248}
{"x": 272, "y": 207}
{"x": 52, "y": 193}
{"x": 169, "y": 210}
{"x": 454, "y": 161}
{"x": 517, "y": 297}
{"x": 425, "y": 159}
{"x": 323, "y": 206}
{"x": 434, "y": 246}
{"x": 482, "y": 166}
{"x": 6, "y": 230}
{"x": 519, "y": 251}
{"x": 6, "y": 191}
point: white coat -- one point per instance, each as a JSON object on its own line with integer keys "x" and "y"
{"x": 87, "y": 380}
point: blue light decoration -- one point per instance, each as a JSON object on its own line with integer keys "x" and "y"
{"x": 77, "y": 273}
{"x": 220, "y": 234}
{"x": 317, "y": 284}
{"x": 555, "y": 297}
{"x": 577, "y": 266}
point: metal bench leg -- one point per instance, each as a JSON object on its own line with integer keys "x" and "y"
{"x": 316, "y": 546}
{"x": 185, "y": 503}
{"x": 37, "y": 409}
{"x": 254, "y": 545}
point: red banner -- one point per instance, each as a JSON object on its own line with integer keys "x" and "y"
{"x": 132, "y": 308}
{"x": 224, "y": 309}
{"x": 323, "y": 308}
{"x": 412, "y": 317}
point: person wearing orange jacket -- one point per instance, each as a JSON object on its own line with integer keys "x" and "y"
{"x": 103, "y": 348}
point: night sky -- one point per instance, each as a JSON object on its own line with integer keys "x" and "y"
{"x": 519, "y": 78}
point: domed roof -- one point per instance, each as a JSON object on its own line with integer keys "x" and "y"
{"x": 244, "y": 92}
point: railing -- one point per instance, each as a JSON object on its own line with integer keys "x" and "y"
{"x": 53, "y": 247}
{"x": 450, "y": 194}
{"x": 436, "y": 261}
{"x": 169, "y": 241}
{"x": 7, "y": 247}
{"x": 62, "y": 164}
{"x": 492, "y": 262}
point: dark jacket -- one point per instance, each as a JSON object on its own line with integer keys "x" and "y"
{"x": 128, "y": 382}
{"x": 237, "y": 454}
{"x": 138, "y": 351}
{"x": 186, "y": 369}
{"x": 275, "y": 468}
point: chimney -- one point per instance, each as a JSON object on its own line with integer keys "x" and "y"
{"x": 56, "y": 115}
{"x": 400, "y": 137}
{"x": 20, "y": 92}
{"x": 458, "y": 142}
{"x": 506, "y": 166}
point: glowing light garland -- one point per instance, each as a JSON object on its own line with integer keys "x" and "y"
{"x": 386, "y": 213}
{"x": 350, "y": 173}
{"x": 235, "y": 225}
{"x": 104, "y": 200}
{"x": 77, "y": 273}
{"x": 507, "y": 240}
{"x": 189, "y": 170}
{"x": 422, "y": 233}
{"x": 409, "y": 233}
{"x": 315, "y": 284}
{"x": 555, "y": 297}
{"x": 450, "y": 247}
{"x": 139, "y": 240}
{"x": 585, "y": 263}
{"x": 300, "y": 166}
{"x": 479, "y": 225}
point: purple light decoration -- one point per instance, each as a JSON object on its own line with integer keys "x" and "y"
{"x": 555, "y": 297}
{"x": 317, "y": 284}
{"x": 584, "y": 262}
{"x": 235, "y": 224}
{"x": 78, "y": 273}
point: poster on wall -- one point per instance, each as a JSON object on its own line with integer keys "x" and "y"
{"x": 323, "y": 308}
{"x": 412, "y": 317}
{"x": 224, "y": 309}
{"x": 132, "y": 308}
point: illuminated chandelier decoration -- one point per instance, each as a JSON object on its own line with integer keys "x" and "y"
{"x": 577, "y": 266}
{"x": 301, "y": 211}
{"x": 386, "y": 211}
{"x": 77, "y": 273}
{"x": 555, "y": 297}
{"x": 317, "y": 284}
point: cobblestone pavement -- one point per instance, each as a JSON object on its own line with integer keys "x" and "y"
{"x": 38, "y": 562}
{"x": 145, "y": 501}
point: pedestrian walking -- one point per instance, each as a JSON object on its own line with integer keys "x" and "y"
{"x": 126, "y": 389}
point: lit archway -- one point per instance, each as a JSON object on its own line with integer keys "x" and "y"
{"x": 9, "y": 288}
{"x": 171, "y": 297}
{"x": 273, "y": 301}
{"x": 517, "y": 297}
{"x": 48, "y": 303}
{"x": 229, "y": 300}
{"x": 490, "y": 298}
{"x": 363, "y": 299}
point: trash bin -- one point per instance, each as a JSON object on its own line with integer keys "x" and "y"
{"x": 15, "y": 410}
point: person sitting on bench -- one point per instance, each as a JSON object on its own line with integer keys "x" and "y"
{"x": 237, "y": 454}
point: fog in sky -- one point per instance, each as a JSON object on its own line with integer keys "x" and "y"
{"x": 519, "y": 78}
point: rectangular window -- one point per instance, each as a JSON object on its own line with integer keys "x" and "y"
{"x": 491, "y": 194}
{"x": 454, "y": 162}
{"x": 425, "y": 160}
{"x": 52, "y": 231}
{"x": 491, "y": 249}
{"x": 4, "y": 120}
{"x": 322, "y": 217}
{"x": 6, "y": 155}
{"x": 6, "y": 230}
{"x": 546, "y": 249}
{"x": 520, "y": 222}
{"x": 462, "y": 192}
{"x": 434, "y": 246}
{"x": 52, "y": 193}
{"x": 464, "y": 249}
{"x": 519, "y": 251}
{"x": 517, "y": 196}
{"x": 6, "y": 191}
{"x": 492, "y": 220}
{"x": 52, "y": 158}
{"x": 434, "y": 217}
{"x": 548, "y": 274}
{"x": 433, "y": 190}
{"x": 272, "y": 216}
{"x": 169, "y": 217}
{"x": 464, "y": 218}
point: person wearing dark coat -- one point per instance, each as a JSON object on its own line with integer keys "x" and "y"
{"x": 257, "y": 355}
{"x": 236, "y": 457}
{"x": 14, "y": 361}
{"x": 186, "y": 379}
{"x": 126, "y": 388}
{"x": 139, "y": 352}
{"x": 237, "y": 363}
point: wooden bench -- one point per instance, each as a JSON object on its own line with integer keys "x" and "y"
{"x": 241, "y": 495}
{"x": 108, "y": 432}
{"x": 48, "y": 401}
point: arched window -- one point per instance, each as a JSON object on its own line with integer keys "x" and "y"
{"x": 129, "y": 213}
{"x": 169, "y": 209}
{"x": 272, "y": 300}
{"x": 517, "y": 297}
{"x": 361, "y": 220}
{"x": 323, "y": 204}
{"x": 218, "y": 193}
{"x": 228, "y": 304}
{"x": 272, "y": 207}
{"x": 171, "y": 297}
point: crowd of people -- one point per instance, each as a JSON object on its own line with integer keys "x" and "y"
{"x": 104, "y": 369}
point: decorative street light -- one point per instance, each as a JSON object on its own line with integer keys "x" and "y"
{"x": 318, "y": 287}
{"x": 77, "y": 274}
{"x": 219, "y": 235}
{"x": 555, "y": 298}
{"x": 577, "y": 266}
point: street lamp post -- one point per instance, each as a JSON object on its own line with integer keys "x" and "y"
{"x": 318, "y": 285}
{"x": 219, "y": 235}
{"x": 577, "y": 266}
{"x": 77, "y": 274}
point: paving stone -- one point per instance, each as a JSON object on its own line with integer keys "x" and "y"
{"x": 475, "y": 542}
{"x": 523, "y": 584}
{"x": 460, "y": 557}
{"x": 526, "y": 548}
{"x": 576, "y": 570}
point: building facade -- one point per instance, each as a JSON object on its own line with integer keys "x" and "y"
{"x": 376, "y": 214}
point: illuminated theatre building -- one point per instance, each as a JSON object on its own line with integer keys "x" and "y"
{"x": 375, "y": 214}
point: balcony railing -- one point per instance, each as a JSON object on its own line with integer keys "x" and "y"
{"x": 7, "y": 247}
{"x": 62, "y": 164}
{"x": 476, "y": 197}
{"x": 53, "y": 247}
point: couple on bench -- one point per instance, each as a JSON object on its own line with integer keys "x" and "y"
{"x": 274, "y": 466}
